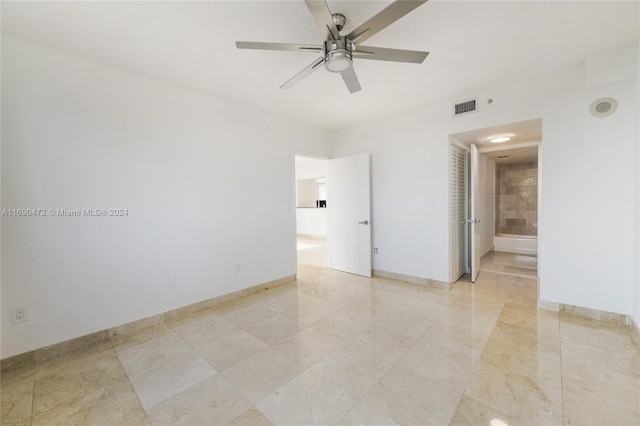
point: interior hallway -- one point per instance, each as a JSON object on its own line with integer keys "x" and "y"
{"x": 334, "y": 348}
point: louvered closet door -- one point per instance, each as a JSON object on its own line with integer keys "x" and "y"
{"x": 457, "y": 211}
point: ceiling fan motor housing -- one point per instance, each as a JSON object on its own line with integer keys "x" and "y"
{"x": 338, "y": 55}
{"x": 339, "y": 19}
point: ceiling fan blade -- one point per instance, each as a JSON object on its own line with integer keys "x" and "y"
{"x": 278, "y": 46}
{"x": 382, "y": 20}
{"x": 324, "y": 20}
{"x": 395, "y": 55}
{"x": 304, "y": 73}
{"x": 351, "y": 80}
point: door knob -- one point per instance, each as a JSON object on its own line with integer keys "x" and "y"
{"x": 364, "y": 222}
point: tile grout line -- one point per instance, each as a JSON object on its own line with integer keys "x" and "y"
{"x": 128, "y": 379}
{"x": 33, "y": 394}
{"x": 405, "y": 353}
{"x": 561, "y": 370}
{"x": 301, "y": 372}
{"x": 385, "y": 372}
{"x": 478, "y": 363}
{"x": 475, "y": 367}
{"x": 218, "y": 372}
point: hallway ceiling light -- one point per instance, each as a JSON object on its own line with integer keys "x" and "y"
{"x": 500, "y": 139}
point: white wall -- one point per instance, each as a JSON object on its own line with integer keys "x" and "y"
{"x": 77, "y": 134}
{"x": 487, "y": 206}
{"x": 409, "y": 190}
{"x": 306, "y": 192}
{"x": 311, "y": 221}
{"x": 313, "y": 169}
{"x": 589, "y": 172}
{"x": 588, "y": 210}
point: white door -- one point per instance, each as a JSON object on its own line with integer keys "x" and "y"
{"x": 474, "y": 229}
{"x": 349, "y": 208}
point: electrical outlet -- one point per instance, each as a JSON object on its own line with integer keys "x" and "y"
{"x": 375, "y": 250}
{"x": 238, "y": 267}
{"x": 18, "y": 314}
{"x": 171, "y": 281}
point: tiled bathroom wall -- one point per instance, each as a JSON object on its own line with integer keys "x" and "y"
{"x": 517, "y": 199}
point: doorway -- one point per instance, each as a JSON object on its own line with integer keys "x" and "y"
{"x": 502, "y": 192}
{"x": 333, "y": 207}
{"x": 311, "y": 175}
{"x": 515, "y": 243}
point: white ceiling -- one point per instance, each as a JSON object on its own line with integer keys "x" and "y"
{"x": 519, "y": 132}
{"x": 522, "y": 148}
{"x": 514, "y": 156}
{"x": 474, "y": 45}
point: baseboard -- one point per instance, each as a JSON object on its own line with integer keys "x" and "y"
{"x": 488, "y": 252}
{"x": 413, "y": 280}
{"x": 634, "y": 331}
{"x": 67, "y": 346}
{"x": 579, "y": 311}
{"x": 595, "y": 314}
{"x": 548, "y": 306}
{"x": 16, "y": 361}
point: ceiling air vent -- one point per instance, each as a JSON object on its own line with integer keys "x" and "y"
{"x": 465, "y": 107}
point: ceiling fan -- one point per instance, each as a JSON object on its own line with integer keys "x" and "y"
{"x": 338, "y": 51}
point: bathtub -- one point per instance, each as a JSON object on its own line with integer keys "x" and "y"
{"x": 523, "y": 244}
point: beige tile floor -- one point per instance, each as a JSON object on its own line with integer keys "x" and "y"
{"x": 333, "y": 348}
{"x": 312, "y": 251}
{"x": 510, "y": 263}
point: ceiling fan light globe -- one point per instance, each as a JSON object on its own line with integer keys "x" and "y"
{"x": 338, "y": 65}
{"x": 338, "y": 61}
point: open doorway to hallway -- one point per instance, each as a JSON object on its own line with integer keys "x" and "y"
{"x": 311, "y": 212}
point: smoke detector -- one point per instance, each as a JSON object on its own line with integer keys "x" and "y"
{"x": 603, "y": 107}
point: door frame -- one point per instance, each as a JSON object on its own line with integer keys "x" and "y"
{"x": 472, "y": 221}
{"x": 538, "y": 144}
